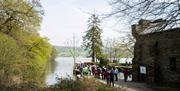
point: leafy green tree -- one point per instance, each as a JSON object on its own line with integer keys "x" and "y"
{"x": 23, "y": 52}
{"x": 19, "y": 14}
{"x": 103, "y": 59}
{"x": 9, "y": 58}
{"x": 92, "y": 40}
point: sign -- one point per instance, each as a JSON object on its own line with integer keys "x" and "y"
{"x": 143, "y": 69}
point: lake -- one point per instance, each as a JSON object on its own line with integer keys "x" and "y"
{"x": 62, "y": 67}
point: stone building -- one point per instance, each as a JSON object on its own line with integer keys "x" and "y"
{"x": 156, "y": 54}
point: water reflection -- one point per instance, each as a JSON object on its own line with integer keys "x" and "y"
{"x": 51, "y": 67}
{"x": 62, "y": 67}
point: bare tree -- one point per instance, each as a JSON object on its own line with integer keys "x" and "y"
{"x": 134, "y": 10}
{"x": 109, "y": 45}
{"x": 127, "y": 43}
{"x": 72, "y": 44}
{"x": 120, "y": 47}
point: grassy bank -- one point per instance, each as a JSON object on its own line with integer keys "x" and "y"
{"x": 65, "y": 85}
{"x": 86, "y": 84}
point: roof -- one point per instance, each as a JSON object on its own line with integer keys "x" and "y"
{"x": 158, "y": 26}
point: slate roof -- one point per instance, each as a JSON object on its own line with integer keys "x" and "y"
{"x": 157, "y": 27}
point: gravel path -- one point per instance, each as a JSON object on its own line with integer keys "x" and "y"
{"x": 130, "y": 86}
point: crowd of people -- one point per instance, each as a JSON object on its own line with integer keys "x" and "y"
{"x": 108, "y": 73}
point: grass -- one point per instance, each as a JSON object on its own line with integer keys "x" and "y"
{"x": 86, "y": 84}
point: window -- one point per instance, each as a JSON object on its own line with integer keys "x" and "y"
{"x": 172, "y": 63}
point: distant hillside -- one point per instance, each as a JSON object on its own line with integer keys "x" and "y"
{"x": 64, "y": 51}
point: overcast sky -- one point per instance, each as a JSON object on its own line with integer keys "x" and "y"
{"x": 63, "y": 18}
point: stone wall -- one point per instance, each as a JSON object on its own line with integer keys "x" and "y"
{"x": 159, "y": 52}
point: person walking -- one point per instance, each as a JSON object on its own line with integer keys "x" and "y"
{"x": 125, "y": 74}
{"x": 112, "y": 77}
{"x": 98, "y": 72}
{"x": 103, "y": 72}
{"x": 93, "y": 70}
{"x": 107, "y": 75}
{"x": 116, "y": 73}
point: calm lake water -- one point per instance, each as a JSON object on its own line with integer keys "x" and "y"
{"x": 62, "y": 67}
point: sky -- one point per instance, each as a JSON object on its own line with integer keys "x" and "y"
{"x": 65, "y": 18}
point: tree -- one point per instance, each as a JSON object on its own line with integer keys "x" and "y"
{"x": 92, "y": 40}
{"x": 109, "y": 45}
{"x": 149, "y": 9}
{"x": 120, "y": 47}
{"x": 24, "y": 53}
{"x": 72, "y": 50}
{"x": 9, "y": 57}
{"x": 19, "y": 14}
{"x": 127, "y": 45}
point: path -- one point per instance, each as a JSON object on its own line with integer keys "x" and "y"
{"x": 130, "y": 86}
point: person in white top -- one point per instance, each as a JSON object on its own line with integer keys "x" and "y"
{"x": 116, "y": 74}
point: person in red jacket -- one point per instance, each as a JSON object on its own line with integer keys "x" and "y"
{"x": 93, "y": 70}
{"x": 107, "y": 75}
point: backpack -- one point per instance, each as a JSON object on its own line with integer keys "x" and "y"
{"x": 112, "y": 72}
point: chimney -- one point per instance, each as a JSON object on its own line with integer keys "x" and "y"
{"x": 135, "y": 29}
